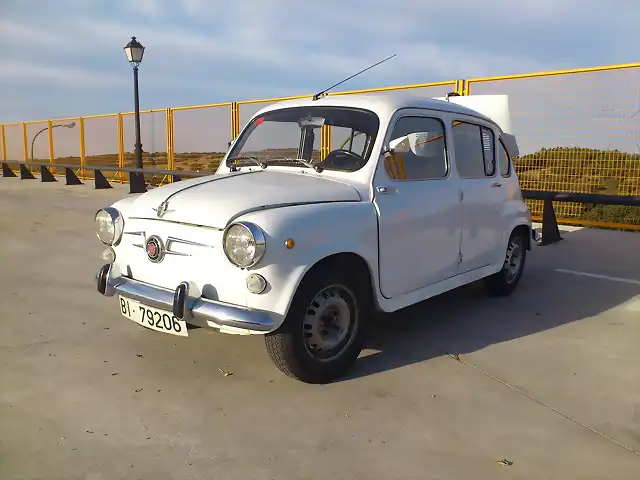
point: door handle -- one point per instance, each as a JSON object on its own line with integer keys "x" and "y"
{"x": 496, "y": 184}
{"x": 382, "y": 190}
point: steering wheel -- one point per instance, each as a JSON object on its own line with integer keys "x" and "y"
{"x": 343, "y": 159}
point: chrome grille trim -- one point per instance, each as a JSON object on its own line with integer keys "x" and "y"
{"x": 168, "y": 243}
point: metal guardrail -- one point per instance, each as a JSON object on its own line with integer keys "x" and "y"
{"x": 550, "y": 230}
{"x": 136, "y": 175}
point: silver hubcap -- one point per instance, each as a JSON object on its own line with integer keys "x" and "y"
{"x": 328, "y": 323}
{"x": 512, "y": 261}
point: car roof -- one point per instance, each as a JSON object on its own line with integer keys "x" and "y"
{"x": 381, "y": 103}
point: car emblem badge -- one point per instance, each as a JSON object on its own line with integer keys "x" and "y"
{"x": 154, "y": 249}
{"x": 162, "y": 209}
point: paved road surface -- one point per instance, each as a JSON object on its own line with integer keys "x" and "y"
{"x": 548, "y": 379}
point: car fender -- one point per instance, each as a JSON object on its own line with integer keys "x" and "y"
{"x": 516, "y": 219}
{"x": 318, "y": 231}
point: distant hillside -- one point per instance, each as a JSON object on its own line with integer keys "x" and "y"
{"x": 583, "y": 170}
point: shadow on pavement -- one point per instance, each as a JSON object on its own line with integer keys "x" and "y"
{"x": 467, "y": 320}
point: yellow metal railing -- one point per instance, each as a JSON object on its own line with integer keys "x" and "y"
{"x": 200, "y": 149}
{"x": 578, "y": 130}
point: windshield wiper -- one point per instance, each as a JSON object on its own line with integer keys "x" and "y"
{"x": 263, "y": 164}
{"x": 317, "y": 168}
{"x": 255, "y": 160}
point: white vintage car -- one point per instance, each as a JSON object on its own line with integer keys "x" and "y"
{"x": 409, "y": 198}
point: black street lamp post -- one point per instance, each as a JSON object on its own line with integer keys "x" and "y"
{"x": 135, "y": 52}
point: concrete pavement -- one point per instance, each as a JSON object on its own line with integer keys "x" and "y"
{"x": 548, "y": 379}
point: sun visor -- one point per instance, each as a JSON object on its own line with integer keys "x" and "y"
{"x": 496, "y": 107}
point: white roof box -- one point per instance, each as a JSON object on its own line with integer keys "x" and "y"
{"x": 496, "y": 107}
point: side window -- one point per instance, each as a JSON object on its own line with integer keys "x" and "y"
{"x": 488, "y": 152}
{"x": 474, "y": 147}
{"x": 419, "y": 150}
{"x": 504, "y": 160}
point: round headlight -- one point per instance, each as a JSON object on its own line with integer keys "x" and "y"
{"x": 244, "y": 244}
{"x": 109, "y": 225}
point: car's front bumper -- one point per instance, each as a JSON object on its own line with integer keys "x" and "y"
{"x": 200, "y": 311}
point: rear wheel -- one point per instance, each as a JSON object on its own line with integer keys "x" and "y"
{"x": 506, "y": 280}
{"x": 324, "y": 330}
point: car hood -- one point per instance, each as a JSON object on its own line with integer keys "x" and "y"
{"x": 214, "y": 200}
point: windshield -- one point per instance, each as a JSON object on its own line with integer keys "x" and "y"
{"x": 293, "y": 137}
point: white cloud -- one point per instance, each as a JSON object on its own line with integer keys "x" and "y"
{"x": 72, "y": 76}
{"x": 152, "y": 9}
{"x": 17, "y": 35}
{"x": 194, "y": 8}
{"x": 472, "y": 61}
{"x": 308, "y": 38}
{"x": 165, "y": 41}
{"x": 206, "y": 51}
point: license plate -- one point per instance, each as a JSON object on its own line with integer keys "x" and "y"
{"x": 153, "y": 318}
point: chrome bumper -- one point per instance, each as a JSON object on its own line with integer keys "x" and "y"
{"x": 196, "y": 311}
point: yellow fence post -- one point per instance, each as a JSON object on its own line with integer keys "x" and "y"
{"x": 120, "y": 146}
{"x": 171, "y": 164}
{"x": 238, "y": 124}
{"x": 172, "y": 152}
{"x": 235, "y": 120}
{"x": 324, "y": 142}
{"x": 3, "y": 139}
{"x": 461, "y": 88}
{"x": 51, "y": 152}
{"x": 83, "y": 150}
{"x": 234, "y": 107}
{"x": 167, "y": 140}
{"x": 25, "y": 143}
{"x": 173, "y": 140}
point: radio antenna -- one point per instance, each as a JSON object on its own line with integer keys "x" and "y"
{"x": 324, "y": 92}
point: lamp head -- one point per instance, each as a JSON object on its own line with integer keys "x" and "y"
{"x": 134, "y": 51}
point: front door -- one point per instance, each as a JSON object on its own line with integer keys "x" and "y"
{"x": 418, "y": 207}
{"x": 482, "y": 195}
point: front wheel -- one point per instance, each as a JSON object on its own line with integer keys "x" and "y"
{"x": 323, "y": 333}
{"x": 506, "y": 280}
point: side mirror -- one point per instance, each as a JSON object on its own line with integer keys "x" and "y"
{"x": 418, "y": 143}
{"x": 400, "y": 145}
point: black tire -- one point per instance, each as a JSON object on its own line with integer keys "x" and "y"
{"x": 507, "y": 279}
{"x": 289, "y": 347}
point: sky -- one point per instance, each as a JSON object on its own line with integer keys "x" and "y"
{"x": 64, "y": 58}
